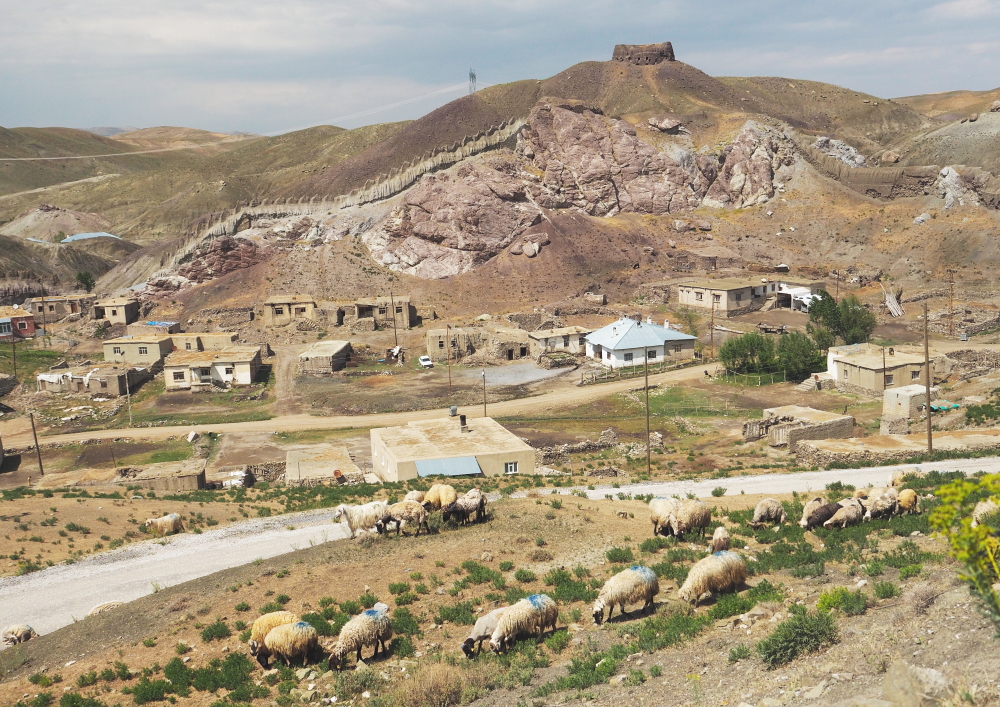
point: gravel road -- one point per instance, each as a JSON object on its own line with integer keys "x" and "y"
{"x": 56, "y": 596}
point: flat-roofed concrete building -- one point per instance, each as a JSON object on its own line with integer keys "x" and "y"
{"x": 321, "y": 464}
{"x": 868, "y": 374}
{"x": 152, "y": 328}
{"x": 386, "y": 311}
{"x": 733, "y": 296}
{"x": 117, "y": 310}
{"x": 568, "y": 339}
{"x": 108, "y": 380}
{"x": 187, "y": 475}
{"x": 285, "y": 309}
{"x": 214, "y": 341}
{"x": 324, "y": 358}
{"x": 444, "y": 447}
{"x": 138, "y": 350}
{"x": 201, "y": 370}
{"x": 56, "y": 307}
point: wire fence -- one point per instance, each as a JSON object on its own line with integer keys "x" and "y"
{"x": 752, "y": 379}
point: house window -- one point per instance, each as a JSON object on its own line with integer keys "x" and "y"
{"x": 716, "y": 298}
{"x": 582, "y": 341}
{"x": 739, "y": 296}
{"x": 651, "y": 353}
{"x": 440, "y": 343}
{"x": 229, "y": 371}
{"x": 300, "y": 310}
{"x": 399, "y": 310}
{"x": 383, "y": 310}
{"x": 889, "y": 378}
{"x": 914, "y": 375}
{"x": 628, "y": 357}
{"x": 143, "y": 350}
{"x": 4, "y": 327}
{"x": 52, "y": 308}
{"x": 845, "y": 374}
{"x": 566, "y": 341}
{"x": 22, "y": 325}
{"x": 510, "y": 467}
{"x": 178, "y": 375}
{"x": 699, "y": 296}
{"x": 114, "y": 312}
{"x": 607, "y": 355}
{"x": 117, "y": 350}
{"x": 279, "y": 310}
{"x": 187, "y": 346}
{"x": 104, "y": 384}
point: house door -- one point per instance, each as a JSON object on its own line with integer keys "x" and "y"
{"x": 510, "y": 354}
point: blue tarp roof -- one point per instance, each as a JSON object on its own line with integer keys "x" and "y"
{"x": 629, "y": 334}
{"x": 456, "y": 466}
{"x": 85, "y": 236}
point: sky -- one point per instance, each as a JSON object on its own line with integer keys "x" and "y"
{"x": 269, "y": 67}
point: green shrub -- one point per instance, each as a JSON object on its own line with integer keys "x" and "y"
{"x": 219, "y": 629}
{"x": 874, "y": 568}
{"x": 670, "y": 570}
{"x": 620, "y": 555}
{"x": 804, "y": 632}
{"x": 635, "y": 677}
{"x": 421, "y": 589}
{"x": 86, "y": 679}
{"x": 885, "y": 590}
{"x": 405, "y": 599}
{"x": 368, "y": 600}
{"x": 567, "y": 589}
{"x": 655, "y": 671}
{"x": 269, "y": 607}
{"x": 480, "y": 574}
{"x": 851, "y": 603}
{"x": 514, "y": 595}
{"x": 506, "y": 566}
{"x": 325, "y": 602}
{"x": 460, "y": 613}
{"x": 910, "y": 571}
{"x": 399, "y": 587}
{"x": 322, "y": 626}
{"x": 42, "y": 699}
{"x": 75, "y": 699}
{"x": 718, "y": 491}
{"x": 107, "y": 675}
{"x": 402, "y": 647}
{"x": 740, "y": 652}
{"x": 405, "y": 623}
{"x": 525, "y": 575}
{"x": 727, "y": 605}
{"x": 558, "y": 641}
{"x": 765, "y": 591}
{"x": 650, "y": 545}
{"x": 181, "y": 648}
{"x": 149, "y": 691}
{"x": 416, "y": 576}
{"x": 282, "y": 599}
{"x": 351, "y": 608}
{"x": 242, "y": 606}
{"x": 810, "y": 570}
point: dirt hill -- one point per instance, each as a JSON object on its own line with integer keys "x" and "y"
{"x": 46, "y": 222}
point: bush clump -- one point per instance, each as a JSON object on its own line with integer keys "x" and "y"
{"x": 804, "y": 632}
{"x": 219, "y": 629}
{"x": 851, "y": 603}
{"x": 620, "y": 555}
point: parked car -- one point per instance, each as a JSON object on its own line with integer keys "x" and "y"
{"x": 425, "y": 362}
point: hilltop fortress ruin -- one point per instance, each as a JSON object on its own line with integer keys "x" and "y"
{"x": 644, "y": 54}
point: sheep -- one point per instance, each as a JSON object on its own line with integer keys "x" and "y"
{"x": 106, "y": 606}
{"x": 983, "y": 508}
{"x": 720, "y": 539}
{"x": 369, "y": 628}
{"x": 417, "y": 496}
{"x": 289, "y": 641}
{"x": 170, "y": 523}
{"x": 884, "y": 506}
{"x": 402, "y": 513}
{"x": 689, "y": 515}
{"x": 482, "y": 631}
{"x": 715, "y": 573}
{"x": 909, "y": 502}
{"x": 439, "y": 496}
{"x": 660, "y": 510}
{"x": 808, "y": 509}
{"x": 19, "y": 633}
{"x": 263, "y": 625}
{"x": 362, "y": 517}
{"x": 536, "y": 612}
{"x": 768, "y": 510}
{"x": 628, "y": 586}
{"x": 901, "y": 476}
{"x": 819, "y": 515}
{"x": 849, "y": 514}
{"x": 462, "y": 509}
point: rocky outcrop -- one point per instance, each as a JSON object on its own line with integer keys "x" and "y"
{"x": 840, "y": 150}
{"x": 220, "y": 257}
{"x": 746, "y": 177}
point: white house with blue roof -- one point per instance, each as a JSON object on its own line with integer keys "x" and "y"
{"x": 626, "y": 341}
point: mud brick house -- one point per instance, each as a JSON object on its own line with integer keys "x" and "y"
{"x": 138, "y": 350}
{"x": 285, "y": 309}
{"x": 117, "y": 310}
{"x": 110, "y": 381}
{"x": 569, "y": 339}
{"x": 52, "y": 309}
{"x": 325, "y": 357}
{"x": 386, "y": 311}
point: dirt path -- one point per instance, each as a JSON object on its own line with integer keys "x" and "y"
{"x": 567, "y": 397}
{"x": 289, "y": 402}
{"x": 98, "y": 178}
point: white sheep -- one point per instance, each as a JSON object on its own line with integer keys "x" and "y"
{"x": 482, "y": 631}
{"x": 438, "y": 496}
{"x": 263, "y": 625}
{"x": 369, "y": 628}
{"x": 534, "y": 613}
{"x": 106, "y": 606}
{"x": 809, "y": 508}
{"x": 884, "y": 506}
{"x": 472, "y": 503}
{"x": 660, "y": 510}
{"x": 720, "y": 539}
{"x": 818, "y": 515}
{"x": 637, "y": 583}
{"x": 909, "y": 502}
{"x": 983, "y": 508}
{"x": 767, "y": 511}
{"x": 850, "y": 513}
{"x": 690, "y": 515}
{"x": 289, "y": 642}
{"x": 715, "y": 573}
{"x": 402, "y": 513}
{"x": 362, "y": 517}
{"x": 19, "y": 633}
{"x": 417, "y": 496}
{"x": 170, "y": 523}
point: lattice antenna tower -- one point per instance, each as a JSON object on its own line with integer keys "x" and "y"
{"x": 472, "y": 81}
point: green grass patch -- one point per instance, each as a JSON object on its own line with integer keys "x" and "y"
{"x": 805, "y": 632}
{"x": 218, "y": 629}
{"x": 460, "y": 613}
{"x": 852, "y": 603}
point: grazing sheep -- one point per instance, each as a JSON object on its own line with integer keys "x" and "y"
{"x": 637, "y": 583}
{"x": 768, "y": 511}
{"x": 690, "y": 515}
{"x": 263, "y": 625}
{"x": 820, "y": 514}
{"x": 362, "y": 517}
{"x": 106, "y": 606}
{"x": 417, "y": 496}
{"x": 720, "y": 539}
{"x": 884, "y": 506}
{"x": 170, "y": 523}
{"x": 909, "y": 502}
{"x": 849, "y": 514}
{"x": 809, "y": 508}
{"x": 288, "y": 642}
{"x": 482, "y": 631}
{"x": 660, "y": 510}
{"x": 983, "y": 508}
{"x": 19, "y": 633}
{"x": 402, "y": 513}
{"x": 369, "y": 628}
{"x": 535, "y": 613}
{"x": 473, "y": 502}
{"x": 439, "y": 496}
{"x": 712, "y": 574}
{"x": 899, "y": 476}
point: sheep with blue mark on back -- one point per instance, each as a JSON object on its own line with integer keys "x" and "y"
{"x": 369, "y": 628}
{"x": 635, "y": 584}
{"x": 534, "y": 613}
{"x": 262, "y": 626}
{"x": 289, "y": 642}
{"x": 710, "y": 575}
{"x": 720, "y": 539}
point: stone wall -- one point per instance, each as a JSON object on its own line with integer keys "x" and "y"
{"x": 833, "y": 429}
{"x": 272, "y": 472}
{"x": 644, "y": 54}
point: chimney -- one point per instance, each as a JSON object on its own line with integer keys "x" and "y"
{"x": 649, "y": 320}
{"x": 461, "y": 421}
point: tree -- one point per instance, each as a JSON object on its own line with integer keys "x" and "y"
{"x": 798, "y": 356}
{"x": 856, "y": 323}
{"x": 85, "y": 280}
{"x": 824, "y": 312}
{"x": 823, "y": 337}
{"x": 750, "y": 353}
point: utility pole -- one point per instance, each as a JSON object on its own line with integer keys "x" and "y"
{"x": 484, "y": 393}
{"x": 837, "y": 273}
{"x": 13, "y": 350}
{"x": 128, "y": 397}
{"x": 645, "y": 352}
{"x": 927, "y": 381}
{"x": 951, "y": 303}
{"x": 112, "y": 450}
{"x": 711, "y": 327}
{"x": 38, "y": 452}
{"x": 45, "y": 326}
{"x": 448, "y": 344}
{"x": 883, "y": 371}
{"x": 392, "y": 303}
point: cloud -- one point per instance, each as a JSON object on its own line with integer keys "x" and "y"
{"x": 963, "y": 10}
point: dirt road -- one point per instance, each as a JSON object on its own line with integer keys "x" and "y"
{"x": 16, "y": 435}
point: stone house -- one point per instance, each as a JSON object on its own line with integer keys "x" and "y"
{"x": 464, "y": 342}
{"x": 321, "y": 464}
{"x": 285, "y": 309}
{"x": 325, "y": 357}
{"x": 16, "y": 323}
{"x": 570, "y": 339}
{"x": 117, "y": 310}
{"x": 386, "y": 311}
{"x": 202, "y": 370}
{"x": 52, "y": 309}
{"x": 789, "y": 424}
{"x": 110, "y": 381}
{"x": 204, "y": 341}
{"x": 627, "y": 342}
{"x": 146, "y": 351}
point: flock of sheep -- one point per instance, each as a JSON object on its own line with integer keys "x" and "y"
{"x": 414, "y": 510}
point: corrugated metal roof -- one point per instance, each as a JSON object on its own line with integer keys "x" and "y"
{"x": 456, "y": 466}
{"x": 630, "y": 334}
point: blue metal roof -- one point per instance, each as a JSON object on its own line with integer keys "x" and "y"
{"x": 456, "y": 466}
{"x": 629, "y": 334}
